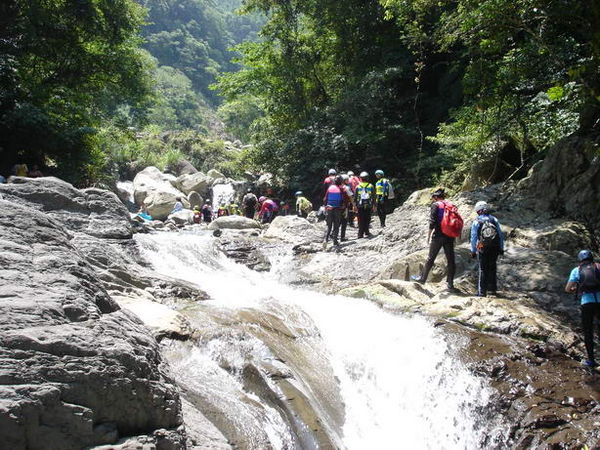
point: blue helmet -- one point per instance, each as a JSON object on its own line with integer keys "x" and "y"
{"x": 298, "y": 193}
{"x": 584, "y": 255}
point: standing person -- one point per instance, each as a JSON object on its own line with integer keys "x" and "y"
{"x": 584, "y": 282}
{"x": 437, "y": 239}
{"x": 487, "y": 243}
{"x": 382, "y": 192}
{"x": 347, "y": 213}
{"x": 334, "y": 202}
{"x": 354, "y": 180}
{"x": 207, "y": 212}
{"x": 351, "y": 212}
{"x": 35, "y": 172}
{"x": 249, "y": 203}
{"x": 363, "y": 197}
{"x": 303, "y": 205}
{"x": 329, "y": 180}
{"x": 233, "y": 209}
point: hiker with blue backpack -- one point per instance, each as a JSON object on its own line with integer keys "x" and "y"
{"x": 487, "y": 243}
{"x": 584, "y": 282}
{"x": 445, "y": 225}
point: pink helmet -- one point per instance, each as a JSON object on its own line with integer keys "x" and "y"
{"x": 262, "y": 198}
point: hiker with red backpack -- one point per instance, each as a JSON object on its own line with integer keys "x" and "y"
{"x": 487, "y": 243}
{"x": 584, "y": 282}
{"x": 445, "y": 224}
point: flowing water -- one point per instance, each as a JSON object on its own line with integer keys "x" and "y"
{"x": 394, "y": 382}
{"x": 222, "y": 193}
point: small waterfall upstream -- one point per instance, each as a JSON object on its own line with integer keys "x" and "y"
{"x": 222, "y": 193}
{"x": 376, "y": 380}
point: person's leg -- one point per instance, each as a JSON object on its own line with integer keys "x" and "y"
{"x": 434, "y": 248}
{"x": 329, "y": 221}
{"x": 448, "y": 244}
{"x": 493, "y": 267}
{"x": 343, "y": 224}
{"x": 361, "y": 222}
{"x": 381, "y": 213}
{"x": 588, "y": 312}
{"x": 484, "y": 273}
{"x": 367, "y": 221}
{"x": 337, "y": 218}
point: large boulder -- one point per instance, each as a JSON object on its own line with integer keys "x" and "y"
{"x": 197, "y": 182}
{"x": 291, "y": 229}
{"x": 233, "y": 223}
{"x": 93, "y": 211}
{"x": 77, "y": 371}
{"x": 183, "y": 217}
{"x": 195, "y": 199}
{"x": 214, "y": 174}
{"x": 183, "y": 167}
{"x": 265, "y": 181}
{"x": 156, "y": 190}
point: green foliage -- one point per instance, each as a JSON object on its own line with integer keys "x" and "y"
{"x": 63, "y": 67}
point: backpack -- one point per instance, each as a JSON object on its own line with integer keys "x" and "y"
{"x": 250, "y": 200}
{"x": 488, "y": 234}
{"x": 391, "y": 194}
{"x": 451, "y": 224}
{"x": 589, "y": 278}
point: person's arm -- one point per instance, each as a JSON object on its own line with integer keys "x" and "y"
{"x": 573, "y": 281}
{"x": 433, "y": 219}
{"x": 474, "y": 233}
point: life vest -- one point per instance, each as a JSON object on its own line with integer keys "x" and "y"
{"x": 382, "y": 187}
{"x": 233, "y": 209}
{"x": 364, "y": 194}
{"x": 197, "y": 217}
{"x": 334, "y": 198}
{"x": 222, "y": 211}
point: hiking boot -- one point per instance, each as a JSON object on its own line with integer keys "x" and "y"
{"x": 336, "y": 244}
{"x": 344, "y": 239}
{"x": 324, "y": 245}
{"x": 590, "y": 363}
{"x": 450, "y": 287}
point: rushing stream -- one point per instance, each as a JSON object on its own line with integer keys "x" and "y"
{"x": 374, "y": 379}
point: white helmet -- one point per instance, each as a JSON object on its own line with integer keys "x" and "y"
{"x": 332, "y": 172}
{"x": 350, "y": 173}
{"x": 364, "y": 174}
{"x": 481, "y": 206}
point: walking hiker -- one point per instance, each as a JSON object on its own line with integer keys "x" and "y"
{"x": 347, "y": 215}
{"x": 207, "y": 212}
{"x": 445, "y": 224}
{"x": 487, "y": 243}
{"x": 249, "y": 203}
{"x": 584, "y": 282}
{"x": 268, "y": 210}
{"x": 382, "y": 192}
{"x": 363, "y": 198}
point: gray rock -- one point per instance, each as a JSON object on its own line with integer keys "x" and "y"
{"x": 183, "y": 217}
{"x": 76, "y": 370}
{"x": 156, "y": 190}
{"x": 198, "y": 182}
{"x": 233, "y": 222}
{"x": 291, "y": 229}
{"x": 195, "y": 199}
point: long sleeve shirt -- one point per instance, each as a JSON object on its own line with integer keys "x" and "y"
{"x": 475, "y": 227}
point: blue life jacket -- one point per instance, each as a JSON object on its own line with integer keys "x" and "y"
{"x": 334, "y": 197}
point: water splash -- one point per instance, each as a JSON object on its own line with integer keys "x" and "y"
{"x": 222, "y": 193}
{"x": 401, "y": 385}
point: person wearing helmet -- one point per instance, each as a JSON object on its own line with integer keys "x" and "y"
{"x": 268, "y": 209}
{"x": 222, "y": 209}
{"x": 249, "y": 204}
{"x": 348, "y": 212}
{"x": 354, "y": 180}
{"x": 487, "y": 243}
{"x": 335, "y": 202}
{"x": 197, "y": 217}
{"x": 382, "y": 193}
{"x": 363, "y": 199}
{"x": 207, "y": 212}
{"x": 329, "y": 180}
{"x": 584, "y": 282}
{"x": 233, "y": 209}
{"x": 303, "y": 205}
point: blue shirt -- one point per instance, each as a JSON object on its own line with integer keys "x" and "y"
{"x": 588, "y": 297}
{"x": 475, "y": 230}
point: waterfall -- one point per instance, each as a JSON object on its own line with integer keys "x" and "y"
{"x": 399, "y": 381}
{"x": 222, "y": 193}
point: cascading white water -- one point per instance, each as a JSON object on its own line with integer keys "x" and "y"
{"x": 400, "y": 385}
{"x": 222, "y": 193}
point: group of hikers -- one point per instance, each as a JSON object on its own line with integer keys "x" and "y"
{"x": 348, "y": 198}
{"x": 22, "y": 170}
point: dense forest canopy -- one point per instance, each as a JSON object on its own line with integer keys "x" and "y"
{"x": 462, "y": 89}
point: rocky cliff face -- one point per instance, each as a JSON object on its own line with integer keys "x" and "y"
{"x": 76, "y": 369}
